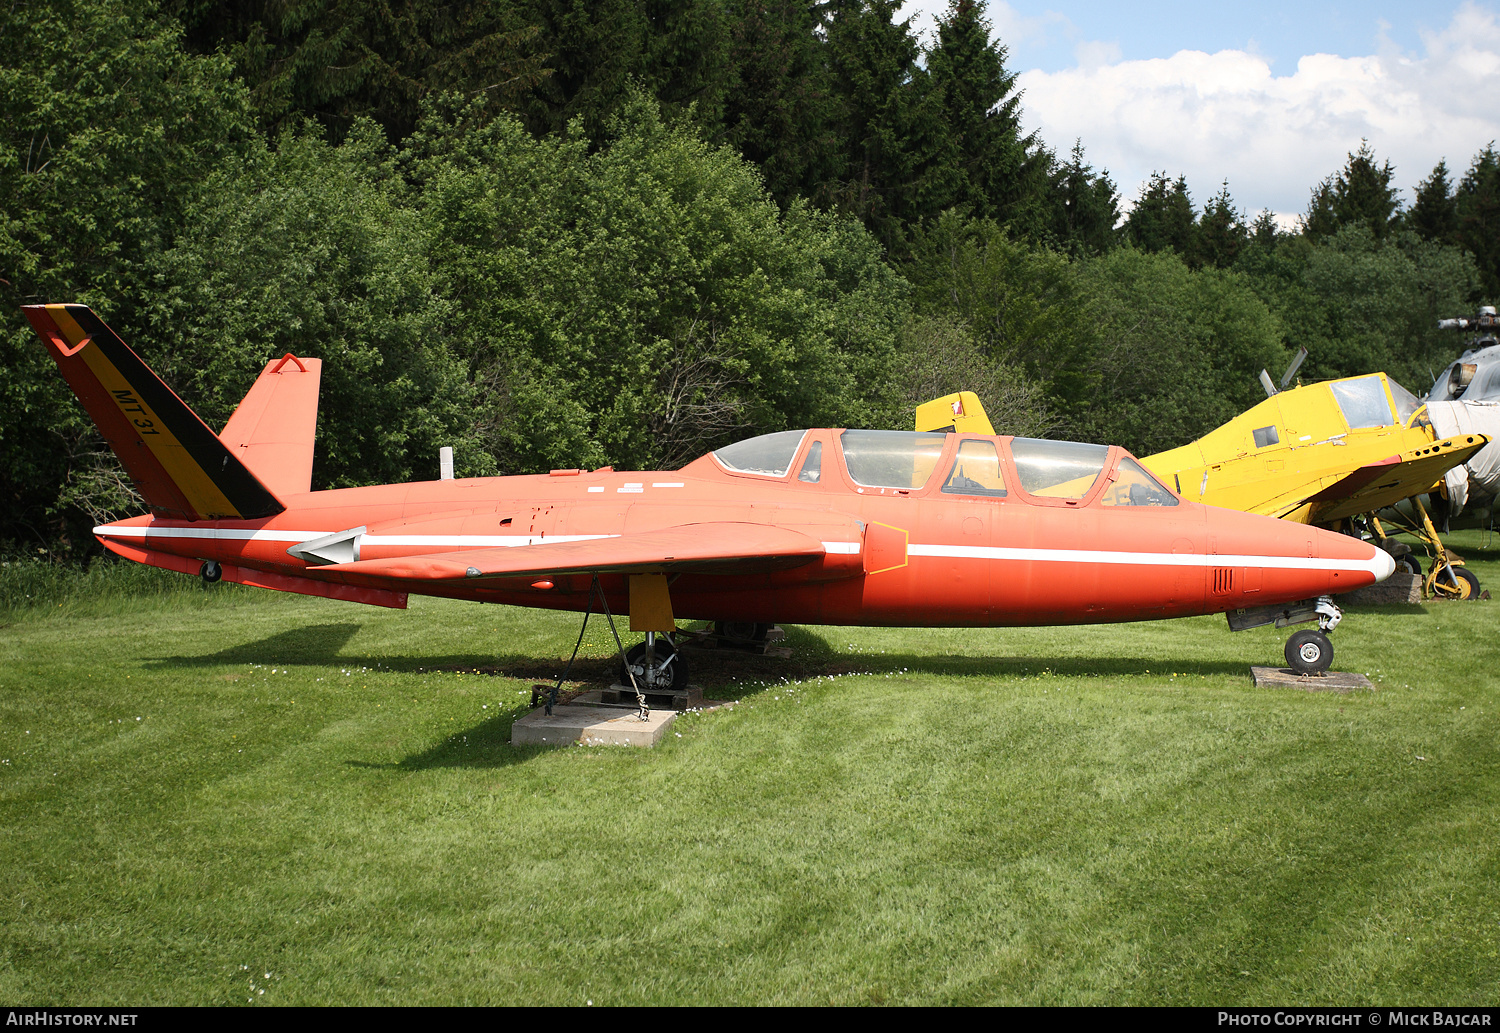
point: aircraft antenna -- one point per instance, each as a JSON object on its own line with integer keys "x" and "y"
{"x": 1265, "y": 382}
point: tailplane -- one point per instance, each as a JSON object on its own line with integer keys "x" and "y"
{"x": 181, "y": 467}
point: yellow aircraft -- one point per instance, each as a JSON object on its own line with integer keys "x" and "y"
{"x": 1318, "y": 454}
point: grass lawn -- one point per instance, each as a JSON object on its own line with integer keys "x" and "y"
{"x": 242, "y": 797}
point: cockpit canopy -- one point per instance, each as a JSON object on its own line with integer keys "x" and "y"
{"x": 901, "y": 462}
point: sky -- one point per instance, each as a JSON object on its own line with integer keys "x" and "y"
{"x": 1270, "y": 98}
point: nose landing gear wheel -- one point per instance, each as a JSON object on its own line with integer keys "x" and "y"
{"x": 1309, "y": 652}
{"x": 668, "y": 672}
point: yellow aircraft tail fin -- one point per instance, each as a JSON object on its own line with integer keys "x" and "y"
{"x": 960, "y": 412}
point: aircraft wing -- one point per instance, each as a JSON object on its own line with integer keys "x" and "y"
{"x": 1384, "y": 483}
{"x": 720, "y": 547}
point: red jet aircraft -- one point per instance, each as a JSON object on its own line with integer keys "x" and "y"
{"x": 852, "y": 527}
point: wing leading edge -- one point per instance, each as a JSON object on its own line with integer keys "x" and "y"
{"x": 706, "y": 548}
{"x": 1384, "y": 483}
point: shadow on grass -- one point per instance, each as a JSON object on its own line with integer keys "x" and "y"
{"x": 727, "y": 673}
{"x": 485, "y": 745}
{"x": 314, "y": 644}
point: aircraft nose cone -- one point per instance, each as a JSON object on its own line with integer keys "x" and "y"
{"x": 1385, "y": 565}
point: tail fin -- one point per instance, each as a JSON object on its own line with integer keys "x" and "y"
{"x": 178, "y": 465}
{"x": 959, "y": 412}
{"x": 273, "y": 429}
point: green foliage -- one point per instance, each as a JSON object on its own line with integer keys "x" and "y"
{"x": 313, "y": 249}
{"x": 1020, "y": 304}
{"x": 1003, "y": 170}
{"x": 1221, "y": 233}
{"x": 1163, "y": 217}
{"x": 1434, "y": 215}
{"x": 647, "y": 302}
{"x": 107, "y": 131}
{"x": 779, "y": 114}
{"x": 1085, "y": 207}
{"x": 1178, "y": 350}
{"x": 1477, "y": 207}
{"x": 340, "y": 60}
{"x": 1382, "y": 300}
{"x": 940, "y": 356}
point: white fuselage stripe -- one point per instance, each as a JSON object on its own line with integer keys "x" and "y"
{"x": 1153, "y": 559}
{"x": 977, "y": 552}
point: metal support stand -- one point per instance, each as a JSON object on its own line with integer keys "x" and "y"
{"x": 594, "y": 586}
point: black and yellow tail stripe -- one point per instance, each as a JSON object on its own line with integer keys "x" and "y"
{"x": 178, "y": 464}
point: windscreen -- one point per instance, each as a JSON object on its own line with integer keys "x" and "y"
{"x": 1363, "y": 402}
{"x": 891, "y": 458}
{"x": 769, "y": 455}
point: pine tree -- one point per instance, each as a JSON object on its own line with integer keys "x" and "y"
{"x": 899, "y": 160}
{"x": 1477, "y": 206}
{"x": 1264, "y": 231}
{"x": 1162, "y": 218}
{"x": 1003, "y": 170}
{"x": 1362, "y": 192}
{"x": 778, "y": 111}
{"x": 1435, "y": 216}
{"x": 336, "y": 60}
{"x": 1085, "y": 206}
{"x": 1221, "y": 233}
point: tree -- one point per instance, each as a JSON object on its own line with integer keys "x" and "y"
{"x": 1162, "y": 218}
{"x": 1477, "y": 207}
{"x": 1361, "y": 193}
{"x": 645, "y": 303}
{"x": 339, "y": 60}
{"x": 1221, "y": 233}
{"x": 901, "y": 163}
{"x": 1434, "y": 216}
{"x": 1178, "y": 350}
{"x": 1380, "y": 301}
{"x": 100, "y": 160}
{"x": 1003, "y": 170}
{"x": 1085, "y": 206}
{"x": 1019, "y": 304}
{"x": 778, "y": 112}
{"x": 316, "y": 250}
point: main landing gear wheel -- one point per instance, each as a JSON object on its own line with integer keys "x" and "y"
{"x": 1466, "y": 585}
{"x": 742, "y": 631}
{"x": 1409, "y": 564}
{"x": 1309, "y": 652}
{"x": 666, "y": 673}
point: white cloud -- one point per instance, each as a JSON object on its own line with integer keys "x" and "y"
{"x": 1225, "y": 116}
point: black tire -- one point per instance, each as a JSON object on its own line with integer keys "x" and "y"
{"x": 1466, "y": 588}
{"x": 1410, "y": 564}
{"x": 1309, "y": 652}
{"x": 1468, "y": 583}
{"x": 636, "y": 655}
